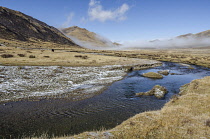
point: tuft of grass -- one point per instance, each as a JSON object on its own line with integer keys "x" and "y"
{"x": 21, "y": 55}
{"x": 32, "y": 56}
{"x": 28, "y": 51}
{"x": 7, "y": 55}
{"x": 207, "y": 123}
{"x": 82, "y": 56}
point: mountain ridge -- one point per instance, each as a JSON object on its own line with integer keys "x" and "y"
{"x": 203, "y": 34}
{"x": 19, "y": 26}
{"x": 86, "y": 36}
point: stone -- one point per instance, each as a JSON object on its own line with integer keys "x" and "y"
{"x": 158, "y": 91}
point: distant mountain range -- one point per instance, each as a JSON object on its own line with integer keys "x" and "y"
{"x": 18, "y": 26}
{"x": 204, "y": 34}
{"x": 85, "y": 36}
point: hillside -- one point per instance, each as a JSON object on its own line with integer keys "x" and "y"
{"x": 204, "y": 34}
{"x": 87, "y": 37}
{"x": 15, "y": 25}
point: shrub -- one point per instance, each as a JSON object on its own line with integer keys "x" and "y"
{"x": 32, "y": 56}
{"x": 21, "y": 55}
{"x": 82, "y": 56}
{"x": 46, "y": 56}
{"x": 28, "y": 51}
{"x": 208, "y": 123}
{"x": 6, "y": 56}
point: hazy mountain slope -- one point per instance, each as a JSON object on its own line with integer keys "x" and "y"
{"x": 204, "y": 34}
{"x": 88, "y": 37}
{"x": 18, "y": 26}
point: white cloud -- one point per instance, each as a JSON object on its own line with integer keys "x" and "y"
{"x": 96, "y": 12}
{"x": 93, "y": 2}
{"x": 68, "y": 20}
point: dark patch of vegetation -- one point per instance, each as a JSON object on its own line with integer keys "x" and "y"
{"x": 82, "y": 56}
{"x": 6, "y": 56}
{"x": 21, "y": 55}
{"x": 28, "y": 51}
{"x": 46, "y": 56}
{"x": 32, "y": 56}
{"x": 208, "y": 123}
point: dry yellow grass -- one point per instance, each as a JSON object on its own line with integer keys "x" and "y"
{"x": 153, "y": 75}
{"x": 189, "y": 56}
{"x": 35, "y": 44}
{"x": 60, "y": 58}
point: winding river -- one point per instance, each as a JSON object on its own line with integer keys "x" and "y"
{"x": 58, "y": 117}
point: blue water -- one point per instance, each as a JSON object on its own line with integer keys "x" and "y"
{"x": 117, "y": 103}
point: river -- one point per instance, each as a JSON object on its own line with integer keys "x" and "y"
{"x": 58, "y": 117}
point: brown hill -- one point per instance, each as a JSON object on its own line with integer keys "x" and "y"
{"x": 15, "y": 25}
{"x": 87, "y": 37}
{"x": 204, "y": 34}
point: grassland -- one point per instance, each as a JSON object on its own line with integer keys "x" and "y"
{"x": 189, "y": 56}
{"x": 20, "y": 54}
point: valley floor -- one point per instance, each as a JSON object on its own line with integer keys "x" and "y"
{"x": 187, "y": 115}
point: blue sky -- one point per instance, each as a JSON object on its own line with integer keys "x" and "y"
{"x": 121, "y": 20}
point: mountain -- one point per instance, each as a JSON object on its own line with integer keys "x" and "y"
{"x": 204, "y": 34}
{"x": 86, "y": 37}
{"x": 18, "y": 26}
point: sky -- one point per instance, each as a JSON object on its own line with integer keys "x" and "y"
{"x": 121, "y": 20}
